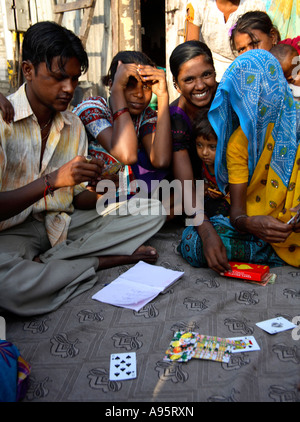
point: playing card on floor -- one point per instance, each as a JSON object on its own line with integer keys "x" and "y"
{"x": 276, "y": 325}
{"x": 244, "y": 344}
{"x": 213, "y": 348}
{"x": 182, "y": 347}
{"x": 122, "y": 366}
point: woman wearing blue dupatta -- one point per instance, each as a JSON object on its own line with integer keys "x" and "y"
{"x": 258, "y": 160}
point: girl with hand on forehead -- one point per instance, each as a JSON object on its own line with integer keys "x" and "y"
{"x": 124, "y": 128}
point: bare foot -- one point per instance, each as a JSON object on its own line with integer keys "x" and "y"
{"x": 143, "y": 253}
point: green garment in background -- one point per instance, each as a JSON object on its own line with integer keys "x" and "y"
{"x": 285, "y": 15}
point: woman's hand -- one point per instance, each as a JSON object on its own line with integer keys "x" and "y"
{"x": 296, "y": 226}
{"x": 123, "y": 73}
{"x": 213, "y": 248}
{"x": 266, "y": 228}
{"x": 155, "y": 77}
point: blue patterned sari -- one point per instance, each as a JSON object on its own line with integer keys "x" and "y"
{"x": 253, "y": 93}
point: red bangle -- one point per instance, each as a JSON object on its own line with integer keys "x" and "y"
{"x": 48, "y": 189}
{"x": 119, "y": 112}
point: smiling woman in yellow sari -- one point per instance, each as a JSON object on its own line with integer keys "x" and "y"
{"x": 258, "y": 159}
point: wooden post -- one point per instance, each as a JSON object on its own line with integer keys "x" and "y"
{"x": 88, "y": 7}
{"x": 115, "y": 26}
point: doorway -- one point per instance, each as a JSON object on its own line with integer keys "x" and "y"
{"x": 153, "y": 30}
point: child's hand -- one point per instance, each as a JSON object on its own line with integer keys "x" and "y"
{"x": 206, "y": 186}
{"x": 155, "y": 77}
{"x": 7, "y": 109}
{"x": 214, "y": 194}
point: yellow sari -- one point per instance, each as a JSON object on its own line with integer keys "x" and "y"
{"x": 266, "y": 194}
{"x": 257, "y": 124}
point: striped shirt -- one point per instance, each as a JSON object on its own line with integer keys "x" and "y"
{"x": 20, "y": 151}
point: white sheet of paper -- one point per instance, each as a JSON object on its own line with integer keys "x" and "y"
{"x": 137, "y": 286}
{"x": 126, "y": 294}
{"x": 276, "y": 325}
{"x": 151, "y": 275}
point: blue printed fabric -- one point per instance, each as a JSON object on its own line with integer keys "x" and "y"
{"x": 14, "y": 372}
{"x": 254, "y": 93}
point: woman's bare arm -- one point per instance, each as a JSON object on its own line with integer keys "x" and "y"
{"x": 159, "y": 144}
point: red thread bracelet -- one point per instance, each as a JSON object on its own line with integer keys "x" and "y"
{"x": 120, "y": 112}
{"x": 48, "y": 189}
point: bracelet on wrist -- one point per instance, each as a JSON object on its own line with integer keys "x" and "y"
{"x": 234, "y": 222}
{"x": 196, "y": 213}
{"x": 48, "y": 189}
{"x": 118, "y": 113}
{"x": 203, "y": 221}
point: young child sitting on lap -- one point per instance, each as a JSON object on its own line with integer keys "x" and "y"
{"x": 206, "y": 143}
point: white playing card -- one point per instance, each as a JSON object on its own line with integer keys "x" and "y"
{"x": 244, "y": 344}
{"x": 275, "y": 325}
{"x": 122, "y": 366}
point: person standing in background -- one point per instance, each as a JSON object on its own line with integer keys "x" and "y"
{"x": 285, "y": 14}
{"x": 210, "y": 21}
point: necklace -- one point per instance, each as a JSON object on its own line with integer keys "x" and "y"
{"x": 45, "y": 136}
{"x": 44, "y": 127}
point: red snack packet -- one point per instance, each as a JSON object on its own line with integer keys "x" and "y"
{"x": 246, "y": 271}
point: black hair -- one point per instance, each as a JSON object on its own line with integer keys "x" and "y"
{"x": 137, "y": 57}
{"x": 187, "y": 51}
{"x": 253, "y": 20}
{"x": 45, "y": 40}
{"x": 281, "y": 51}
{"x": 202, "y": 126}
